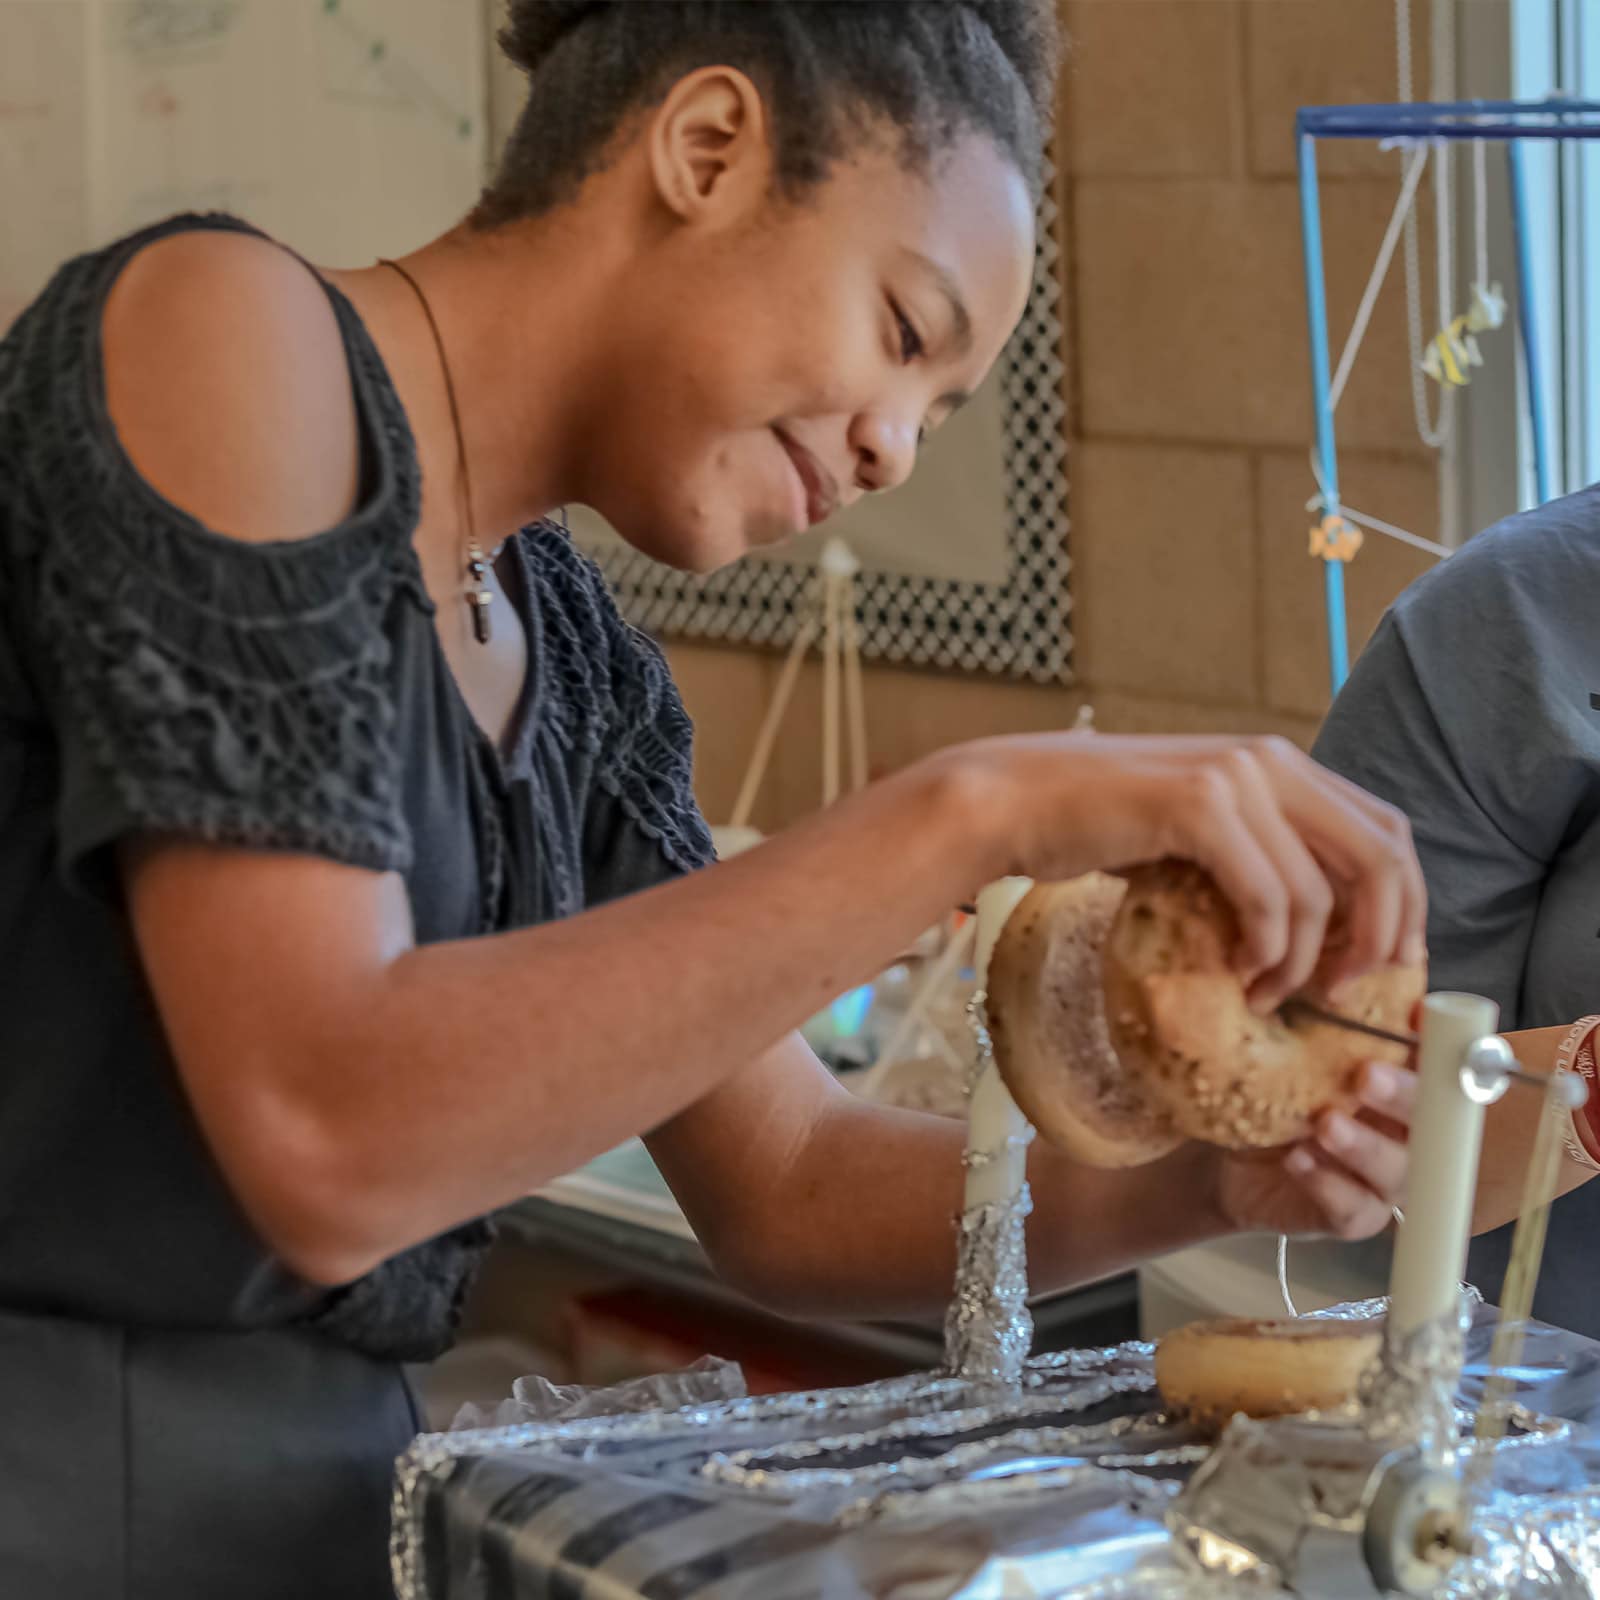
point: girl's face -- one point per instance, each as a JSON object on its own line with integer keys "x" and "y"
{"x": 774, "y": 361}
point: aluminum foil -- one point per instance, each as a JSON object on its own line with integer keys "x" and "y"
{"x": 1411, "y": 1395}
{"x": 988, "y": 1328}
{"x": 938, "y": 1488}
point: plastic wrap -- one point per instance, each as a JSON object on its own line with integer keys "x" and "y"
{"x": 536, "y": 1399}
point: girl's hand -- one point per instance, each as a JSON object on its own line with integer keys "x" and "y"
{"x": 1294, "y": 847}
{"x": 1345, "y": 1181}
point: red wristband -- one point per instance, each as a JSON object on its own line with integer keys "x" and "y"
{"x": 1576, "y": 1055}
{"x": 1586, "y": 1119}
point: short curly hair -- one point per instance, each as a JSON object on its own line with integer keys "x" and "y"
{"x": 832, "y": 71}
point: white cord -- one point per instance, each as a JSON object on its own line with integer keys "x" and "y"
{"x": 1444, "y": 227}
{"x": 1442, "y": 78}
{"x": 1402, "y": 48}
{"x": 1433, "y": 434}
{"x": 1430, "y": 432}
{"x": 1480, "y": 207}
{"x": 1283, "y": 1275}
{"x": 1389, "y": 531}
{"x": 1376, "y": 524}
{"x": 1417, "y": 162}
{"x": 1283, "y": 1260}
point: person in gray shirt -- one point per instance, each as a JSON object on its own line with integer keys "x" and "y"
{"x": 1476, "y": 710}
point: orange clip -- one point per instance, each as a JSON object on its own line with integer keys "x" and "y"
{"x": 1334, "y": 539}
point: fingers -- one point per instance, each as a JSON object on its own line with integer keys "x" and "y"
{"x": 1390, "y": 1091}
{"x": 1296, "y": 849}
{"x": 1237, "y": 831}
{"x": 1212, "y": 830}
{"x": 1348, "y": 1207}
{"x": 1366, "y": 1154}
{"x": 1310, "y": 899}
{"x": 1353, "y": 1169}
{"x": 1366, "y": 847}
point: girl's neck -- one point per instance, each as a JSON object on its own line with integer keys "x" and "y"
{"x": 517, "y": 323}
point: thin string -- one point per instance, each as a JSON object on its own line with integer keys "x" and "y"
{"x": 1390, "y": 531}
{"x": 1416, "y": 162}
{"x": 1283, "y": 1275}
{"x": 1444, "y": 231}
{"x": 1432, "y": 434}
{"x": 1480, "y": 206}
{"x": 464, "y": 475}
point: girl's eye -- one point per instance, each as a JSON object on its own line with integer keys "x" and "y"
{"x": 910, "y": 340}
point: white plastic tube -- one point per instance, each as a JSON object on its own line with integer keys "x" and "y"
{"x": 996, "y": 1131}
{"x": 1446, "y": 1135}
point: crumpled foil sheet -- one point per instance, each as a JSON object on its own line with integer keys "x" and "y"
{"x": 934, "y": 1488}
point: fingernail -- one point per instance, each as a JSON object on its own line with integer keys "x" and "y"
{"x": 1299, "y": 1162}
{"x": 1336, "y": 1132}
{"x": 1380, "y": 1089}
{"x": 1415, "y": 951}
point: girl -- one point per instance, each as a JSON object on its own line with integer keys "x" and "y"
{"x": 348, "y": 866}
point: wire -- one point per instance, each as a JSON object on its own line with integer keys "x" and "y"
{"x": 1283, "y": 1275}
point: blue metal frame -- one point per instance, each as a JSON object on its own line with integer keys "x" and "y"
{"x": 1509, "y": 120}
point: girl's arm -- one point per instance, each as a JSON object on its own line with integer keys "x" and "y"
{"x": 361, "y": 1093}
{"x": 817, "y": 1203}
{"x": 1508, "y": 1134}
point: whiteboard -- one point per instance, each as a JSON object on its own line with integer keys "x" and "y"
{"x": 346, "y": 128}
{"x": 351, "y": 129}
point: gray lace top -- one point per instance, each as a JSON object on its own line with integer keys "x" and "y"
{"x": 155, "y": 675}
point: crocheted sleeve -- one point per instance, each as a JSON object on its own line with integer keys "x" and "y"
{"x": 237, "y": 693}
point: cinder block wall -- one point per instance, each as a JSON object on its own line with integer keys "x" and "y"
{"x": 1195, "y": 604}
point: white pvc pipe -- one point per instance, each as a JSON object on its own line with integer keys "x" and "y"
{"x": 996, "y": 1131}
{"x": 1430, "y": 1252}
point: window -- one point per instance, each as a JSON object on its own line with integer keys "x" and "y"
{"x": 1555, "y": 49}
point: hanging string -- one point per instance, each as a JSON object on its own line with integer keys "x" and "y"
{"x": 1374, "y": 524}
{"x": 1402, "y": 48}
{"x": 1430, "y": 432}
{"x": 1433, "y": 434}
{"x": 1403, "y": 224}
{"x": 1480, "y": 210}
{"x": 1444, "y": 225}
{"x": 1283, "y": 1275}
{"x": 1416, "y": 163}
{"x": 1390, "y": 531}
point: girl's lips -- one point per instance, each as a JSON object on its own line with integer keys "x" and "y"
{"x": 821, "y": 493}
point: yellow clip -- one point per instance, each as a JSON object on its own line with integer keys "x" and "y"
{"x": 1334, "y": 539}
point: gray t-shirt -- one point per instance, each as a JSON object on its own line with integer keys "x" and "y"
{"x": 1474, "y": 709}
